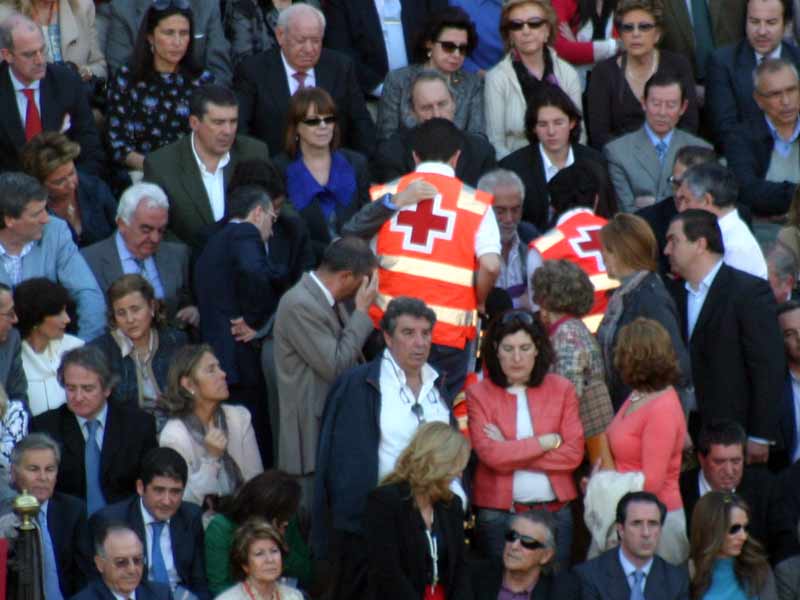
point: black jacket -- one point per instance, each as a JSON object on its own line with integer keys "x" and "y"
{"x": 487, "y": 578}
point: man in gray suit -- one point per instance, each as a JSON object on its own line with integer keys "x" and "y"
{"x": 615, "y": 574}
{"x": 640, "y": 162}
{"x": 211, "y": 48}
{"x": 137, "y": 247}
{"x": 12, "y": 375}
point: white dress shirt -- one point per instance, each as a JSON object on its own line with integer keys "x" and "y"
{"x": 551, "y": 169}
{"x": 696, "y": 297}
{"x": 528, "y": 486}
{"x": 213, "y": 182}
{"x": 328, "y": 296}
{"x": 22, "y": 99}
{"x": 101, "y": 426}
{"x": 294, "y": 85}
{"x": 741, "y": 248}
{"x": 165, "y": 542}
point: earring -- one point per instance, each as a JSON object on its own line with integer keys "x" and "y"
{"x": 429, "y": 53}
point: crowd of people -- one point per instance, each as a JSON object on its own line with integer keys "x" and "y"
{"x": 407, "y": 299}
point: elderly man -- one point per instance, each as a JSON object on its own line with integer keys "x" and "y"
{"x": 103, "y": 443}
{"x": 782, "y": 268}
{"x": 195, "y": 171}
{"x": 38, "y": 96}
{"x": 712, "y": 187}
{"x": 34, "y": 245}
{"x": 119, "y": 557}
{"x": 431, "y": 97}
{"x": 12, "y": 374}
{"x": 66, "y": 543}
{"x": 371, "y": 413}
{"x": 138, "y": 247}
{"x": 515, "y": 234}
{"x": 266, "y": 82}
{"x": 764, "y": 151}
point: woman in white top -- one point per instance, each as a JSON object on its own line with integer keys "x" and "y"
{"x": 527, "y": 27}
{"x": 216, "y": 440}
{"x": 41, "y": 307}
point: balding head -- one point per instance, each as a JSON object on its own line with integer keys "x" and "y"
{"x": 22, "y": 47}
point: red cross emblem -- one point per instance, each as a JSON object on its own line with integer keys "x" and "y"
{"x": 587, "y": 245}
{"x": 423, "y": 224}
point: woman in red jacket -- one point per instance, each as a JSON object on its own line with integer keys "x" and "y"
{"x": 526, "y": 431}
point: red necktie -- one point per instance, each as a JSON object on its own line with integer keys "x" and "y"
{"x": 300, "y": 76}
{"x": 33, "y": 122}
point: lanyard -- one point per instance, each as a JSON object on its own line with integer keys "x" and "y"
{"x": 434, "y": 548}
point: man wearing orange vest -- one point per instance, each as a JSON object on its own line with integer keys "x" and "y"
{"x": 444, "y": 250}
{"x": 576, "y": 235}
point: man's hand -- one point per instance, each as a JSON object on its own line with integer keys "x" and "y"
{"x": 367, "y": 292}
{"x": 241, "y": 331}
{"x": 189, "y": 315}
{"x": 415, "y": 192}
{"x": 757, "y": 453}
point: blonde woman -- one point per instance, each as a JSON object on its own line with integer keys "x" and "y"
{"x": 415, "y": 523}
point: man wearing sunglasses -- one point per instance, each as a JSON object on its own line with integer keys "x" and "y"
{"x": 633, "y": 570}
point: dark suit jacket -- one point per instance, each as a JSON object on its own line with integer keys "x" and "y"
{"x": 748, "y": 150}
{"x": 129, "y": 434}
{"x": 737, "y": 353}
{"x": 61, "y": 96}
{"x": 527, "y": 163}
{"x": 260, "y": 82}
{"x": 147, "y": 590}
{"x": 233, "y": 278}
{"x": 175, "y": 169}
{"x": 659, "y": 216}
{"x": 487, "y": 577}
{"x": 172, "y": 262}
{"x": 770, "y": 519}
{"x": 354, "y": 27}
{"x": 394, "y": 159}
{"x": 398, "y": 556}
{"x": 729, "y": 85}
{"x": 12, "y": 373}
{"x": 780, "y": 457}
{"x": 186, "y": 533}
{"x": 98, "y": 208}
{"x": 602, "y": 578}
{"x": 72, "y": 544}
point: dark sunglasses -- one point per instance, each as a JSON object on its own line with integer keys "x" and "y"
{"x": 452, "y": 47}
{"x": 631, "y": 27}
{"x": 523, "y": 316}
{"x": 674, "y": 181}
{"x": 124, "y": 561}
{"x": 165, "y": 4}
{"x": 518, "y": 25}
{"x": 737, "y": 528}
{"x": 525, "y": 541}
{"x": 316, "y": 121}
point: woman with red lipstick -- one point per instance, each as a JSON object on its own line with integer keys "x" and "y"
{"x": 728, "y": 564}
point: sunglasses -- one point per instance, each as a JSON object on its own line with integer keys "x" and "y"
{"x": 737, "y": 528}
{"x": 452, "y": 47}
{"x": 525, "y": 541}
{"x": 124, "y": 561}
{"x": 674, "y": 181}
{"x": 165, "y": 4}
{"x": 631, "y": 27}
{"x": 518, "y": 25}
{"x": 317, "y": 121}
{"x": 522, "y": 316}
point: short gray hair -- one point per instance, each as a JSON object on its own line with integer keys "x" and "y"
{"x": 92, "y": 359}
{"x": 108, "y": 529}
{"x": 782, "y": 258}
{"x": 143, "y": 191}
{"x": 714, "y": 179}
{"x": 769, "y": 66}
{"x": 428, "y": 75}
{"x": 9, "y": 24}
{"x": 34, "y": 441}
{"x": 296, "y": 10}
{"x": 494, "y": 179}
{"x": 545, "y": 519}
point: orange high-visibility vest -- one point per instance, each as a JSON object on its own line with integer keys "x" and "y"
{"x": 578, "y": 240}
{"x": 428, "y": 251}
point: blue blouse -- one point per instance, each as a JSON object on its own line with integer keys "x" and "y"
{"x": 303, "y": 189}
{"x": 724, "y": 585}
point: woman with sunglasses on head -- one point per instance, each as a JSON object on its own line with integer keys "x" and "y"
{"x": 324, "y": 183}
{"x": 526, "y": 429}
{"x": 415, "y": 524}
{"x": 726, "y": 563}
{"x": 148, "y": 99}
{"x": 616, "y": 90}
{"x": 648, "y": 432}
{"x": 443, "y": 44}
{"x": 527, "y": 27}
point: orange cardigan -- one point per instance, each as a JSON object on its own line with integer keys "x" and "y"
{"x": 554, "y": 409}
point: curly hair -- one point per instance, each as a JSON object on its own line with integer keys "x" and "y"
{"x": 299, "y": 105}
{"x": 562, "y": 286}
{"x": 428, "y": 463}
{"x": 36, "y": 299}
{"x": 177, "y": 400}
{"x": 246, "y": 534}
{"x": 645, "y": 357}
{"x": 450, "y": 17}
{"x": 46, "y": 152}
{"x": 631, "y": 240}
{"x": 711, "y": 519}
{"x": 509, "y": 323}
{"x": 546, "y": 7}
{"x": 131, "y": 284}
{"x": 655, "y": 8}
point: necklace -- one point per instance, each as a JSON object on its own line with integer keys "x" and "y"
{"x": 653, "y": 67}
{"x": 256, "y": 595}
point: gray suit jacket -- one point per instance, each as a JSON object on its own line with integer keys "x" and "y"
{"x": 635, "y": 169}
{"x": 172, "y": 262}
{"x": 311, "y": 351}
{"x": 12, "y": 374}
{"x": 211, "y": 48}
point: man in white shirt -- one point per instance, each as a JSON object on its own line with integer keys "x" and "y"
{"x": 712, "y": 187}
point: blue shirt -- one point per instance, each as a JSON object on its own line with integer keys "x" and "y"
{"x": 724, "y": 585}
{"x": 130, "y": 265}
{"x": 695, "y": 298}
{"x": 654, "y": 139}
{"x": 782, "y": 146}
{"x": 486, "y": 16}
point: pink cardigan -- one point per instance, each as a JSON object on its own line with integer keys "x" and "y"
{"x": 554, "y": 409}
{"x": 651, "y": 440}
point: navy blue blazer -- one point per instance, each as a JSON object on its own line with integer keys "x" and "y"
{"x": 729, "y": 85}
{"x": 186, "y": 533}
{"x": 98, "y": 211}
{"x": 66, "y": 522}
{"x": 234, "y": 278}
{"x": 147, "y": 590}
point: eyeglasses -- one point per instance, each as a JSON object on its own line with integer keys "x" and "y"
{"x": 526, "y": 541}
{"x": 519, "y": 25}
{"x": 124, "y": 561}
{"x": 738, "y": 527}
{"x": 675, "y": 182}
{"x": 523, "y": 316}
{"x": 452, "y": 47}
{"x": 631, "y": 27}
{"x": 165, "y": 4}
{"x": 9, "y": 314}
{"x": 317, "y": 121}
